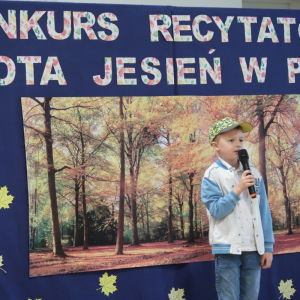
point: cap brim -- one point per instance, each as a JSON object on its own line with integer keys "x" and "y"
{"x": 246, "y": 127}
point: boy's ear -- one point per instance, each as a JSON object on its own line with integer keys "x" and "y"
{"x": 215, "y": 146}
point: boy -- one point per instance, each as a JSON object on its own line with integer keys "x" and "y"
{"x": 240, "y": 228}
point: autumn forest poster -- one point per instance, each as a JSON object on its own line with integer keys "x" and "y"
{"x": 114, "y": 182}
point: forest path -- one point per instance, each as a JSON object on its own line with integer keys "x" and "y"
{"x": 96, "y": 258}
{"x": 43, "y": 263}
{"x": 287, "y": 243}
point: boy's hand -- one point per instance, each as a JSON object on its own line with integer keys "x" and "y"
{"x": 245, "y": 182}
{"x": 266, "y": 260}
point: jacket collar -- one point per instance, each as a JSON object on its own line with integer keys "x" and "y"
{"x": 226, "y": 166}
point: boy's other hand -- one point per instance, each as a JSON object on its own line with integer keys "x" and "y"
{"x": 245, "y": 181}
{"x": 266, "y": 260}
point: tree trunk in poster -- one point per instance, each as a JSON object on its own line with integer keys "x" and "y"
{"x": 262, "y": 150}
{"x": 57, "y": 247}
{"x": 134, "y": 235}
{"x": 148, "y": 225}
{"x": 191, "y": 210}
{"x": 83, "y": 195}
{"x": 196, "y": 225}
{"x": 120, "y": 237}
{"x": 286, "y": 203}
{"x": 33, "y": 227}
{"x": 76, "y": 211}
{"x": 181, "y": 220}
{"x": 170, "y": 232}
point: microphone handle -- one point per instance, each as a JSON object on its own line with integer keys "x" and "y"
{"x": 251, "y": 188}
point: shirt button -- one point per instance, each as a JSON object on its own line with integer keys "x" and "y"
{"x": 233, "y": 186}
{"x": 254, "y": 219}
{"x": 257, "y": 235}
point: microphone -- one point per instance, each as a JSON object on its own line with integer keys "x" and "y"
{"x": 244, "y": 159}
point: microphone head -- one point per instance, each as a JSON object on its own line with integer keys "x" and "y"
{"x": 243, "y": 155}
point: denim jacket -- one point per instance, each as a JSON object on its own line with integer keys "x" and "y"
{"x": 224, "y": 219}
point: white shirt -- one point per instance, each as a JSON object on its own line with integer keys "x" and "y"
{"x": 244, "y": 209}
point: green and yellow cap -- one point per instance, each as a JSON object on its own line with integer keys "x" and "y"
{"x": 226, "y": 124}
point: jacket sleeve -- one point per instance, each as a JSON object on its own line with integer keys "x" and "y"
{"x": 218, "y": 205}
{"x": 266, "y": 219}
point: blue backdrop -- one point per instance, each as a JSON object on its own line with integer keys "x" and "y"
{"x": 80, "y": 60}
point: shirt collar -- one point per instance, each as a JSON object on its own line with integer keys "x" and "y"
{"x": 229, "y": 167}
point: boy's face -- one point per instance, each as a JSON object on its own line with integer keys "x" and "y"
{"x": 228, "y": 144}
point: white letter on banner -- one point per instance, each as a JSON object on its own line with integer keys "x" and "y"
{"x": 108, "y": 73}
{"x": 286, "y": 25}
{"x": 170, "y": 70}
{"x": 181, "y": 70}
{"x": 121, "y": 80}
{"x": 59, "y": 76}
{"x": 214, "y": 74}
{"x": 151, "y": 70}
{"x": 77, "y": 15}
{"x": 266, "y": 21}
{"x": 109, "y": 26}
{"x": 51, "y": 25}
{"x": 291, "y": 68}
{"x": 177, "y": 27}
{"x": 260, "y": 71}
{"x": 247, "y": 26}
{"x": 29, "y": 61}
{"x": 154, "y": 28}
{"x": 11, "y": 70}
{"x": 32, "y": 23}
{"x": 196, "y": 30}
{"x": 224, "y": 27}
{"x": 11, "y": 29}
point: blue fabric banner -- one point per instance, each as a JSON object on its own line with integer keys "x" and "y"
{"x": 175, "y": 51}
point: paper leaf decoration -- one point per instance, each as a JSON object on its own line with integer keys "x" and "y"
{"x": 1, "y": 263}
{"x": 211, "y": 51}
{"x": 285, "y": 288}
{"x": 107, "y": 284}
{"x": 5, "y": 199}
{"x": 176, "y": 295}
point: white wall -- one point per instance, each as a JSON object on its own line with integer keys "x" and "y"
{"x": 279, "y": 4}
{"x": 190, "y": 3}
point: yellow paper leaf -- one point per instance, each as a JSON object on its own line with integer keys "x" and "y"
{"x": 4, "y": 198}
{"x": 176, "y": 295}
{"x": 107, "y": 284}
{"x": 285, "y": 288}
{"x": 1, "y": 264}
